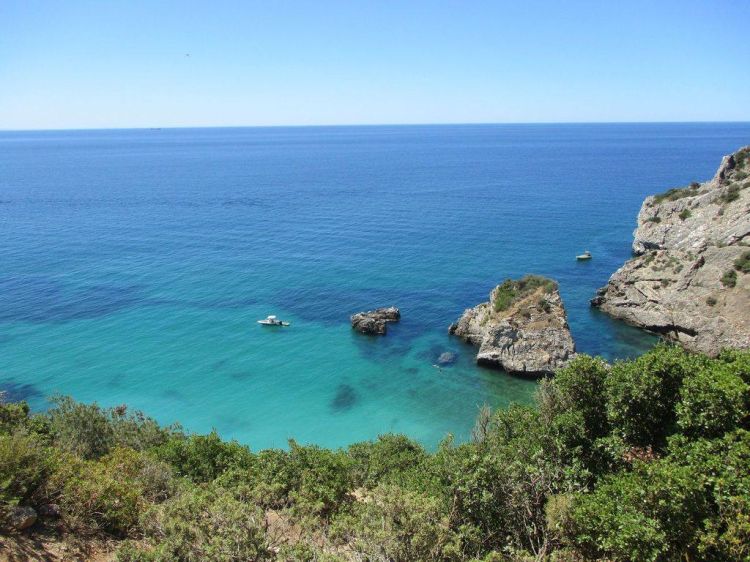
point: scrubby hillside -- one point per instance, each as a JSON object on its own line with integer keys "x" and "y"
{"x": 641, "y": 460}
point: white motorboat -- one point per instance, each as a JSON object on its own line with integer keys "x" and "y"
{"x": 584, "y": 256}
{"x": 271, "y": 320}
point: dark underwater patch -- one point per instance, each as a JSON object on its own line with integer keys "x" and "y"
{"x": 240, "y": 375}
{"x": 172, "y": 394}
{"x": 218, "y": 364}
{"x": 344, "y": 399}
{"x": 45, "y": 300}
{"x": 433, "y": 353}
{"x": 17, "y": 391}
{"x": 381, "y": 349}
{"x": 241, "y": 202}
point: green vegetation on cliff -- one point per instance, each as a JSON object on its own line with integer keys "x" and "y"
{"x": 677, "y": 193}
{"x": 513, "y": 290}
{"x": 642, "y": 460}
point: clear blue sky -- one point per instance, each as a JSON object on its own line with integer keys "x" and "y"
{"x": 123, "y": 63}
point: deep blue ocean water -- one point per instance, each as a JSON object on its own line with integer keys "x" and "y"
{"x": 134, "y": 263}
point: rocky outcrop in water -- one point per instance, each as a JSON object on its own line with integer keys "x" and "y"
{"x": 523, "y": 329}
{"x": 690, "y": 278}
{"x": 375, "y": 322}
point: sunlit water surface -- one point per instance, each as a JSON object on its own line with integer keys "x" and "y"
{"x": 134, "y": 264}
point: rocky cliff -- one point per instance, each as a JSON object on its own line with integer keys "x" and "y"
{"x": 523, "y": 328}
{"x": 690, "y": 277}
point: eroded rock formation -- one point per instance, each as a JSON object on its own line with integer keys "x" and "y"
{"x": 523, "y": 329}
{"x": 374, "y": 322}
{"x": 690, "y": 278}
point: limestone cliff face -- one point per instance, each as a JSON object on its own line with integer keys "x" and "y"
{"x": 690, "y": 278}
{"x": 525, "y": 334}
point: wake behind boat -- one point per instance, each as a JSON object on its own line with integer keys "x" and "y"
{"x": 271, "y": 320}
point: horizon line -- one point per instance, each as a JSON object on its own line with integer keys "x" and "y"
{"x": 343, "y": 125}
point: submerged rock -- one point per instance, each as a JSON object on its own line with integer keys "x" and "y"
{"x": 690, "y": 278}
{"x": 523, "y": 329}
{"x": 345, "y": 398}
{"x": 374, "y": 322}
{"x": 446, "y": 358}
{"x": 22, "y": 517}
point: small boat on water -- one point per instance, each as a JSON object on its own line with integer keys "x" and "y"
{"x": 271, "y": 320}
{"x": 584, "y": 256}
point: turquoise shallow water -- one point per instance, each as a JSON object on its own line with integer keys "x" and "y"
{"x": 134, "y": 263}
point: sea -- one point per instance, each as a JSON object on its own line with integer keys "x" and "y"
{"x": 135, "y": 263}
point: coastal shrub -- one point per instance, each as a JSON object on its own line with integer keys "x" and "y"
{"x": 81, "y": 429}
{"x": 323, "y": 479}
{"x": 306, "y": 551}
{"x": 642, "y": 515}
{"x": 650, "y": 257}
{"x": 136, "y": 430}
{"x": 202, "y": 458}
{"x": 497, "y": 489}
{"x": 740, "y": 158}
{"x": 720, "y": 466}
{"x": 573, "y": 406}
{"x": 13, "y": 415}
{"x": 389, "y": 457}
{"x": 95, "y": 496}
{"x": 737, "y": 361}
{"x": 711, "y": 301}
{"x": 89, "y": 431}
{"x": 677, "y": 193}
{"x": 23, "y": 467}
{"x": 641, "y": 394}
{"x": 310, "y": 480}
{"x": 397, "y": 525}
{"x": 655, "y": 220}
{"x": 108, "y": 494}
{"x": 685, "y": 214}
{"x": 732, "y": 193}
{"x": 511, "y": 291}
{"x": 729, "y": 279}
{"x": 713, "y": 400}
{"x": 203, "y": 523}
{"x": 742, "y": 263}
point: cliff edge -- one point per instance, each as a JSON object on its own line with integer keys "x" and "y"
{"x": 690, "y": 278}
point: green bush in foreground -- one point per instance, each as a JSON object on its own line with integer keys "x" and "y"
{"x": 646, "y": 459}
{"x": 203, "y": 524}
